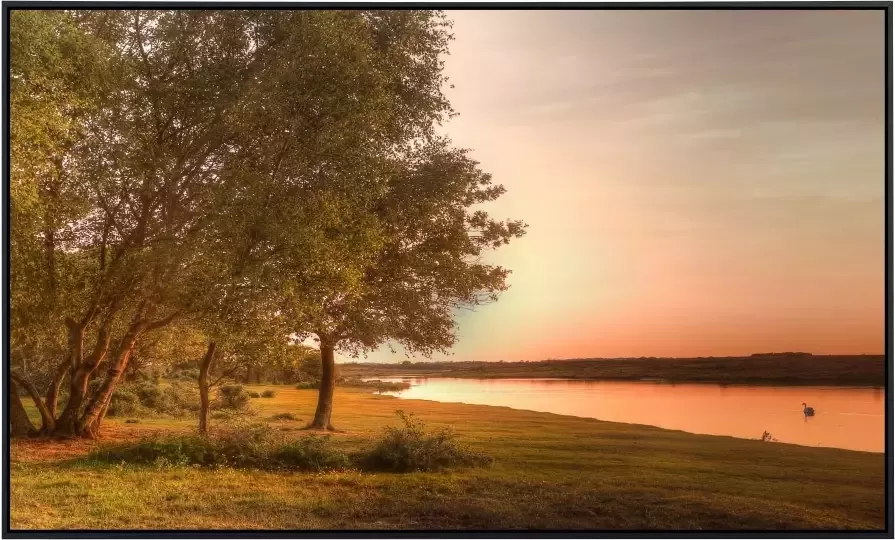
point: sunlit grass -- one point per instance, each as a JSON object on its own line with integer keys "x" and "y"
{"x": 549, "y": 471}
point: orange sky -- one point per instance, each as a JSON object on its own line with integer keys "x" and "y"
{"x": 695, "y": 183}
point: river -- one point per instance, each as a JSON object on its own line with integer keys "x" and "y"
{"x": 851, "y": 418}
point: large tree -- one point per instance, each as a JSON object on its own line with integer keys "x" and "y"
{"x": 216, "y": 151}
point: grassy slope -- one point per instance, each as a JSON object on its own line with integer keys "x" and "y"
{"x": 811, "y": 370}
{"x": 551, "y": 472}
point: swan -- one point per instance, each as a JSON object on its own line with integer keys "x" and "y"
{"x": 809, "y": 411}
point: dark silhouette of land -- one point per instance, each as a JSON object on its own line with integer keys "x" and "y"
{"x": 762, "y": 368}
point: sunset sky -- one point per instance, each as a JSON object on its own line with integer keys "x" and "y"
{"x": 695, "y": 183}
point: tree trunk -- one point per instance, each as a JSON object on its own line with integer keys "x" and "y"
{"x": 19, "y": 423}
{"x": 89, "y": 423}
{"x": 204, "y": 367}
{"x": 48, "y": 422}
{"x": 53, "y": 391}
{"x": 93, "y": 432}
{"x": 79, "y": 381}
{"x": 327, "y": 386}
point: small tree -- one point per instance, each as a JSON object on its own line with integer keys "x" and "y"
{"x": 429, "y": 266}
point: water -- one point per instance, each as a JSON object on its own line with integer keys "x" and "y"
{"x": 851, "y": 418}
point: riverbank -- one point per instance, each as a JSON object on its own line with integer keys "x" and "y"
{"x": 549, "y": 472}
{"x": 814, "y": 370}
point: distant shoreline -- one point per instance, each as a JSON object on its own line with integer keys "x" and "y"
{"x": 810, "y": 370}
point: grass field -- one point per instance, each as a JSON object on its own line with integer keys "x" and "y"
{"x": 550, "y": 472}
{"x": 868, "y": 370}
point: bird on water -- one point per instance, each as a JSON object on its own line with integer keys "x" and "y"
{"x": 809, "y": 411}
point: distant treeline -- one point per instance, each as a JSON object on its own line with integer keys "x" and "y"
{"x": 783, "y": 354}
{"x": 766, "y": 368}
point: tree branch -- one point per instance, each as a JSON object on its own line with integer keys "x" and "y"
{"x": 222, "y": 377}
{"x": 155, "y": 325}
{"x": 47, "y": 420}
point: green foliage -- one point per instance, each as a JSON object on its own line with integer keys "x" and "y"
{"x": 233, "y": 397}
{"x": 268, "y": 394}
{"x": 125, "y": 402}
{"x": 57, "y": 75}
{"x": 161, "y": 451}
{"x": 244, "y": 447}
{"x": 411, "y": 447}
{"x": 310, "y": 367}
{"x": 191, "y": 375}
{"x": 282, "y": 177}
{"x": 284, "y": 416}
{"x": 149, "y": 397}
{"x": 310, "y": 453}
{"x": 254, "y": 395}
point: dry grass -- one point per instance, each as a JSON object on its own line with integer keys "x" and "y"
{"x": 550, "y": 471}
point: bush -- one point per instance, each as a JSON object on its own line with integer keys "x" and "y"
{"x": 310, "y": 453}
{"x": 254, "y": 447}
{"x": 284, "y": 416}
{"x": 189, "y": 375}
{"x": 411, "y": 447}
{"x": 149, "y": 397}
{"x": 150, "y": 394}
{"x": 171, "y": 450}
{"x": 233, "y": 397}
{"x": 268, "y": 394}
{"x": 131, "y": 421}
{"x": 124, "y": 402}
{"x": 309, "y": 385}
{"x": 244, "y": 446}
{"x": 254, "y": 395}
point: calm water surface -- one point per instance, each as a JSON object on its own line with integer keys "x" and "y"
{"x": 851, "y": 418}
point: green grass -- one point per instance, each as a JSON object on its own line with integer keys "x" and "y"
{"x": 868, "y": 370}
{"x": 549, "y": 471}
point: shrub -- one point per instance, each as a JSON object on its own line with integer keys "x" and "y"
{"x": 310, "y": 453}
{"x": 189, "y": 375}
{"x": 150, "y": 394}
{"x": 254, "y": 395}
{"x": 256, "y": 447}
{"x": 244, "y": 446}
{"x": 284, "y": 416}
{"x": 268, "y": 394}
{"x": 411, "y": 447}
{"x": 308, "y": 385}
{"x": 233, "y": 397}
{"x": 124, "y": 402}
{"x": 170, "y": 450}
{"x": 148, "y": 397}
{"x": 131, "y": 421}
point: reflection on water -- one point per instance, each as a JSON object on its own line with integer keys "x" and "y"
{"x": 850, "y": 418}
